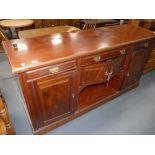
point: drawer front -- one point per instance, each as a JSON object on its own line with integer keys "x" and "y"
{"x": 142, "y": 45}
{"x": 94, "y": 73}
{"x": 50, "y": 70}
{"x": 104, "y": 56}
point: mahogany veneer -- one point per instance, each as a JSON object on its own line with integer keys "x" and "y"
{"x": 64, "y": 75}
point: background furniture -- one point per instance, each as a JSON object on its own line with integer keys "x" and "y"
{"x": 5, "y": 122}
{"x": 66, "y": 76}
{"x": 97, "y": 22}
{"x": 134, "y": 22}
{"x": 16, "y": 23}
{"x": 147, "y": 23}
{"x": 2, "y": 38}
{"x": 41, "y": 23}
{"x": 2, "y": 35}
{"x": 2, "y": 127}
{"x": 150, "y": 65}
{"x": 13, "y": 24}
{"x": 90, "y": 24}
{"x": 46, "y": 31}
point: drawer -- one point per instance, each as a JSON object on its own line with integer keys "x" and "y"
{"x": 50, "y": 70}
{"x": 142, "y": 45}
{"x": 103, "y": 56}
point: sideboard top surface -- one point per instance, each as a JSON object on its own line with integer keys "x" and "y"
{"x": 57, "y": 47}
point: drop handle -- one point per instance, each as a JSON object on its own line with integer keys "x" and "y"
{"x": 146, "y": 44}
{"x": 106, "y": 73}
{"x": 73, "y": 95}
{"x": 109, "y": 74}
{"x": 54, "y": 70}
{"x": 128, "y": 74}
{"x": 97, "y": 58}
{"x": 123, "y": 51}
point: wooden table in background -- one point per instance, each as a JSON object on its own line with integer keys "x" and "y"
{"x": 12, "y": 24}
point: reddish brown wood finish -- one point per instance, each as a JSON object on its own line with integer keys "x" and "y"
{"x": 95, "y": 73}
{"x": 73, "y": 73}
{"x": 139, "y": 57}
{"x": 36, "y": 52}
{"x": 150, "y": 65}
{"x": 54, "y": 99}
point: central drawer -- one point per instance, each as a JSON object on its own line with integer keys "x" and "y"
{"x": 102, "y": 56}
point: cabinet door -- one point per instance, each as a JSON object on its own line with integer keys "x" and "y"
{"x": 116, "y": 65}
{"x": 54, "y": 96}
{"x": 99, "y": 72}
{"x": 136, "y": 66}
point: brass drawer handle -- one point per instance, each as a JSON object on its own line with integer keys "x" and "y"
{"x": 54, "y": 70}
{"x": 73, "y": 95}
{"x": 146, "y": 44}
{"x": 128, "y": 74}
{"x": 106, "y": 73}
{"x": 97, "y": 58}
{"x": 123, "y": 51}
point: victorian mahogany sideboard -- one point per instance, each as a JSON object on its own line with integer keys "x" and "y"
{"x": 64, "y": 75}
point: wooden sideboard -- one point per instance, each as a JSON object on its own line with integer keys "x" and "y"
{"x": 65, "y": 74}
